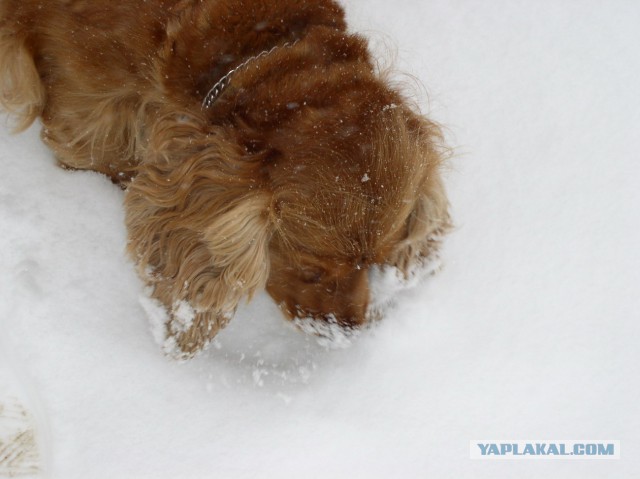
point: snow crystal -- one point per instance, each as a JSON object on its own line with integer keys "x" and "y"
{"x": 386, "y": 281}
{"x": 329, "y": 334}
{"x": 258, "y": 373}
{"x": 183, "y": 315}
{"x": 157, "y": 315}
{"x": 149, "y": 272}
{"x": 158, "y": 318}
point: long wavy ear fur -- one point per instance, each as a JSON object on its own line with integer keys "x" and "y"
{"x": 238, "y": 240}
{"x": 198, "y": 228}
{"x": 21, "y": 92}
{"x": 427, "y": 224}
{"x": 429, "y": 218}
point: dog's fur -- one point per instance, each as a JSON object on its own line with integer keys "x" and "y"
{"x": 308, "y": 170}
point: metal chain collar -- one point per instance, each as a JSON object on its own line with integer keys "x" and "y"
{"x": 217, "y": 89}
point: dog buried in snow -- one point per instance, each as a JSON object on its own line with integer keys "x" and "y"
{"x": 258, "y": 145}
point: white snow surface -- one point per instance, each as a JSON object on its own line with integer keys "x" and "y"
{"x": 530, "y": 331}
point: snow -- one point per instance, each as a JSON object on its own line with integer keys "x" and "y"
{"x": 328, "y": 334}
{"x": 530, "y": 330}
{"x": 183, "y": 314}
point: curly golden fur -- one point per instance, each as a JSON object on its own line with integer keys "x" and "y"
{"x": 308, "y": 170}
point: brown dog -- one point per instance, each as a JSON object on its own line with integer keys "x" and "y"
{"x": 257, "y": 144}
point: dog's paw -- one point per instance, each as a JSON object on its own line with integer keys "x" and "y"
{"x": 183, "y": 332}
{"x": 192, "y": 331}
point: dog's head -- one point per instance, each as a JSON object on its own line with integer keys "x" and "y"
{"x": 308, "y": 171}
{"x": 354, "y": 185}
{"x": 350, "y": 171}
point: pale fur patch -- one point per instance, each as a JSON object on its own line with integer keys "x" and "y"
{"x": 21, "y": 92}
{"x": 238, "y": 240}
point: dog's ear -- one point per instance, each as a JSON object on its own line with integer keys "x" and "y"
{"x": 428, "y": 219}
{"x": 238, "y": 240}
{"x": 425, "y": 227}
{"x": 198, "y": 225}
{"x": 21, "y": 91}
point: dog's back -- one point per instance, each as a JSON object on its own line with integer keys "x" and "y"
{"x": 52, "y": 64}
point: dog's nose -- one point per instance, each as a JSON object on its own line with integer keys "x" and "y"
{"x": 350, "y": 301}
{"x": 338, "y": 300}
{"x": 352, "y": 319}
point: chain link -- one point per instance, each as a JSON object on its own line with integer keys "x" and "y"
{"x": 217, "y": 89}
